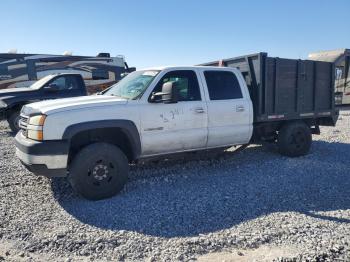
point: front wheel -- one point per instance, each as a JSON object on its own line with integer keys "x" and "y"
{"x": 294, "y": 139}
{"x": 13, "y": 120}
{"x": 99, "y": 171}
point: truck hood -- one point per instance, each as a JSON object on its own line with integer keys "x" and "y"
{"x": 66, "y": 104}
{"x": 14, "y": 91}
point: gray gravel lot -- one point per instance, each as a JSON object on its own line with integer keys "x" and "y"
{"x": 227, "y": 203}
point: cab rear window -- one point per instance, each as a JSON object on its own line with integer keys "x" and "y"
{"x": 222, "y": 85}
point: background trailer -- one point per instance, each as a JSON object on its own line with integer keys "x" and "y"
{"x": 341, "y": 59}
{"x": 20, "y": 70}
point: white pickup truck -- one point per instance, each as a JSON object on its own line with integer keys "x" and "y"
{"x": 153, "y": 112}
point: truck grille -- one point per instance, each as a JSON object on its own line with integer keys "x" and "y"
{"x": 23, "y": 123}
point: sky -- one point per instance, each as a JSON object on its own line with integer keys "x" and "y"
{"x": 178, "y": 32}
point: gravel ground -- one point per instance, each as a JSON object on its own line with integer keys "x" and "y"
{"x": 214, "y": 207}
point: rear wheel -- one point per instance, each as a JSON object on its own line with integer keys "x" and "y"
{"x": 294, "y": 139}
{"x": 13, "y": 120}
{"x": 99, "y": 171}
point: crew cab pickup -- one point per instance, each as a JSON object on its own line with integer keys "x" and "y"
{"x": 50, "y": 87}
{"x": 161, "y": 111}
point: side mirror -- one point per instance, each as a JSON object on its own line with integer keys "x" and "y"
{"x": 52, "y": 88}
{"x": 168, "y": 95}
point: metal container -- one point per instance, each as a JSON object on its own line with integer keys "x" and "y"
{"x": 286, "y": 89}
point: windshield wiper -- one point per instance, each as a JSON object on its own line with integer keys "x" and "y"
{"x": 119, "y": 96}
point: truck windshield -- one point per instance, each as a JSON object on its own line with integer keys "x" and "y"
{"x": 38, "y": 84}
{"x": 133, "y": 85}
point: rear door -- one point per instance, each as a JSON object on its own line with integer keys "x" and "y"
{"x": 176, "y": 127}
{"x": 229, "y": 108}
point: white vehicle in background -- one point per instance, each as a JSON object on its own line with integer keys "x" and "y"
{"x": 162, "y": 111}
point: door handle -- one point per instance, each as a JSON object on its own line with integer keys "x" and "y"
{"x": 240, "y": 108}
{"x": 199, "y": 110}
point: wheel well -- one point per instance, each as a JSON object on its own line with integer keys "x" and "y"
{"x": 112, "y": 135}
{"x": 267, "y": 131}
{"x": 14, "y": 108}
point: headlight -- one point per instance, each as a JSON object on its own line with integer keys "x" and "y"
{"x": 35, "y": 127}
{"x": 37, "y": 120}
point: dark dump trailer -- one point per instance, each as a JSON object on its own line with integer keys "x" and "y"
{"x": 285, "y": 90}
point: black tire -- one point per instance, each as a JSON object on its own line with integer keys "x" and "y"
{"x": 13, "y": 120}
{"x": 294, "y": 139}
{"x": 99, "y": 171}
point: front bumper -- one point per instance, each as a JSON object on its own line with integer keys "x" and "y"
{"x": 46, "y": 158}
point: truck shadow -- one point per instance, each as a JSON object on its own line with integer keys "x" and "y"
{"x": 179, "y": 199}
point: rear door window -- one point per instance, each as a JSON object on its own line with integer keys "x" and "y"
{"x": 72, "y": 83}
{"x": 222, "y": 85}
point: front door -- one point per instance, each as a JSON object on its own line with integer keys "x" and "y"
{"x": 181, "y": 126}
